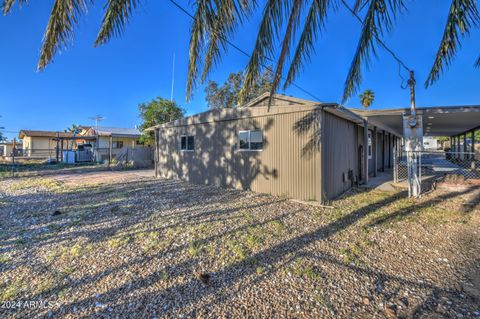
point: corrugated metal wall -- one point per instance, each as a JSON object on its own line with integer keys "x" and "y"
{"x": 340, "y": 154}
{"x": 286, "y": 166}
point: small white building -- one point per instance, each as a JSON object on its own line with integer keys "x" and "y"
{"x": 430, "y": 143}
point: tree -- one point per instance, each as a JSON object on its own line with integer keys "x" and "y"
{"x": 228, "y": 94}
{"x": 366, "y": 98}
{"x": 215, "y": 22}
{"x": 157, "y": 111}
{"x": 72, "y": 128}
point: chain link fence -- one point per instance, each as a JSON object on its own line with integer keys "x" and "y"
{"x": 434, "y": 166}
{"x": 17, "y": 162}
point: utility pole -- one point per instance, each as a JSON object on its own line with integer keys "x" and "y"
{"x": 97, "y": 118}
{"x": 411, "y": 84}
{"x": 413, "y": 132}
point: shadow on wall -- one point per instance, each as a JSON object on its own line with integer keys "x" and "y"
{"x": 217, "y": 160}
{"x": 310, "y": 124}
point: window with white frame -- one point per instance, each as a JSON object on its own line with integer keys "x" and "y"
{"x": 250, "y": 140}
{"x": 369, "y": 145}
{"x": 187, "y": 142}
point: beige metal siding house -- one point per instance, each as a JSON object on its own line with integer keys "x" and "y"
{"x": 43, "y": 144}
{"x": 105, "y": 141}
{"x": 294, "y": 148}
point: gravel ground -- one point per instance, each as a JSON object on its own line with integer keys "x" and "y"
{"x": 125, "y": 245}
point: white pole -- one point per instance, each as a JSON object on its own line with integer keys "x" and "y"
{"x": 173, "y": 77}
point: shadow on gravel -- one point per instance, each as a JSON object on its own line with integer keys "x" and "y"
{"x": 176, "y": 195}
{"x": 406, "y": 211}
{"x": 112, "y": 208}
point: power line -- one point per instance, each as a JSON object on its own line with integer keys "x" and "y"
{"x": 395, "y": 57}
{"x": 233, "y": 45}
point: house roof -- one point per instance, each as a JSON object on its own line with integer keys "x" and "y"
{"x": 102, "y": 131}
{"x": 260, "y": 107}
{"x": 279, "y": 99}
{"x": 118, "y": 131}
{"x": 35, "y": 133}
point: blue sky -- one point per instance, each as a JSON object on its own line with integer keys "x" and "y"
{"x": 113, "y": 79}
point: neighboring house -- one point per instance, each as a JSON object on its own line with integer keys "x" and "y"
{"x": 104, "y": 142}
{"x": 111, "y": 139}
{"x": 46, "y": 144}
{"x": 6, "y": 148}
{"x": 295, "y": 148}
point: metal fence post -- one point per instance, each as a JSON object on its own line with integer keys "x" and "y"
{"x": 395, "y": 164}
{"x": 13, "y": 164}
{"x": 110, "y": 151}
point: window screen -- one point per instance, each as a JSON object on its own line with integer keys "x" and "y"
{"x": 183, "y": 142}
{"x": 187, "y": 143}
{"x": 190, "y": 143}
{"x": 244, "y": 140}
{"x": 256, "y": 140}
{"x": 250, "y": 140}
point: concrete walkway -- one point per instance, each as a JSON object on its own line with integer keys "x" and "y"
{"x": 383, "y": 182}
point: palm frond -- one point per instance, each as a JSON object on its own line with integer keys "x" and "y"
{"x": 8, "y": 4}
{"x": 477, "y": 63}
{"x": 462, "y": 16}
{"x": 292, "y": 25}
{"x": 314, "y": 22}
{"x": 359, "y": 5}
{"x": 214, "y": 21}
{"x": 116, "y": 17}
{"x": 197, "y": 40}
{"x": 269, "y": 27}
{"x": 221, "y": 25}
{"x": 378, "y": 19}
{"x": 63, "y": 17}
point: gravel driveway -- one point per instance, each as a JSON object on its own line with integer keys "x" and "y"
{"x": 126, "y": 245}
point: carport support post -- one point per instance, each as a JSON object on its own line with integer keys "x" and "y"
{"x": 365, "y": 150}
{"x": 374, "y": 150}
{"x": 473, "y": 144}
{"x": 383, "y": 150}
{"x": 458, "y": 147}
{"x": 395, "y": 165}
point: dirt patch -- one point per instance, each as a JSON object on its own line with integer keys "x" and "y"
{"x": 127, "y": 245}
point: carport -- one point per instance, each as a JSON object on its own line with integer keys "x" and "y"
{"x": 452, "y": 121}
{"x": 460, "y": 123}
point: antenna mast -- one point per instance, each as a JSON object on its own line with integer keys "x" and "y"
{"x": 97, "y": 118}
{"x": 173, "y": 77}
